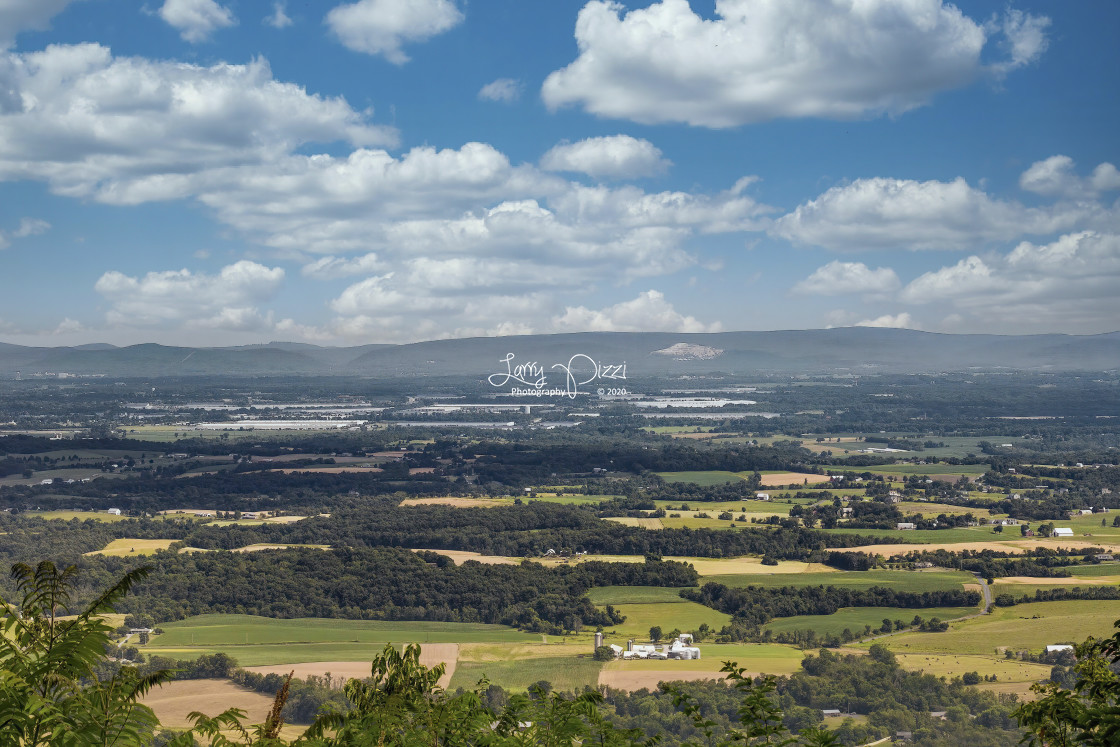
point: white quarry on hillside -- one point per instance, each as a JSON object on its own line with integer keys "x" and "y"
{"x": 684, "y": 351}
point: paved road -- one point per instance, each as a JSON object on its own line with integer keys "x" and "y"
{"x": 987, "y": 590}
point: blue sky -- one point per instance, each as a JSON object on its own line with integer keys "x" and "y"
{"x": 213, "y": 172}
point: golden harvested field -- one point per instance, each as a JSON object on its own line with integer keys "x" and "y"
{"x": 797, "y": 479}
{"x": 946, "y": 665}
{"x": 647, "y": 679}
{"x": 126, "y": 547}
{"x": 1075, "y": 581}
{"x": 431, "y": 654}
{"x": 330, "y": 470}
{"x": 456, "y": 502}
{"x": 1014, "y": 546}
{"x": 754, "y": 566}
{"x": 632, "y": 521}
{"x": 1022, "y": 689}
{"x": 262, "y": 546}
{"x": 174, "y": 700}
{"x": 462, "y": 556}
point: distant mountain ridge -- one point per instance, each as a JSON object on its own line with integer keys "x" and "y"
{"x": 852, "y": 349}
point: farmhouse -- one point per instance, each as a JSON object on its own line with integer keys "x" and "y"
{"x": 1062, "y": 532}
{"x": 114, "y": 511}
{"x": 905, "y": 525}
{"x": 1103, "y": 556}
{"x": 762, "y": 496}
{"x": 830, "y": 712}
{"x": 846, "y": 512}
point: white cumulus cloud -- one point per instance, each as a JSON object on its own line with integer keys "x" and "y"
{"x": 26, "y": 15}
{"x": 227, "y": 300}
{"x": 848, "y": 277}
{"x": 380, "y": 27}
{"x": 129, "y": 130}
{"x": 897, "y": 321}
{"x": 502, "y": 89}
{"x": 617, "y": 156}
{"x": 880, "y": 213}
{"x": 27, "y": 227}
{"x": 649, "y": 312}
{"x": 1055, "y": 177}
{"x": 340, "y": 267}
{"x": 759, "y": 60}
{"x": 278, "y": 19}
{"x": 1069, "y": 283}
{"x": 196, "y": 19}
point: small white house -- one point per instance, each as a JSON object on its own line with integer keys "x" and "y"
{"x": 114, "y": 511}
{"x": 1062, "y": 532}
{"x": 762, "y": 496}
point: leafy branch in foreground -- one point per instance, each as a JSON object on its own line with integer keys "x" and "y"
{"x": 50, "y": 693}
{"x": 1089, "y": 713}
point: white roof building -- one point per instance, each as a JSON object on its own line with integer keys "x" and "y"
{"x": 1062, "y": 532}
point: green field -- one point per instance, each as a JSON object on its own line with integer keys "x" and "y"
{"x": 678, "y": 613}
{"x": 617, "y": 595}
{"x": 127, "y": 547}
{"x": 564, "y": 673}
{"x": 919, "y": 469}
{"x": 915, "y": 581}
{"x": 932, "y": 536}
{"x": 1103, "y": 569}
{"x": 79, "y": 515}
{"x": 705, "y": 478}
{"x": 257, "y": 641}
{"x": 1025, "y": 626}
{"x": 855, "y": 618}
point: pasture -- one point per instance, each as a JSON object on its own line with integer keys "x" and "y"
{"x": 260, "y": 641}
{"x": 565, "y": 673}
{"x": 756, "y": 658}
{"x": 705, "y": 478}
{"x": 79, "y": 515}
{"x": 856, "y": 618}
{"x": 1025, "y": 626}
{"x": 953, "y": 665}
{"x": 173, "y": 701}
{"x": 128, "y": 547}
{"x": 914, "y": 581}
{"x": 669, "y": 614}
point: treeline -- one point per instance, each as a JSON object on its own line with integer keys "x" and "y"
{"x": 1059, "y": 595}
{"x": 1043, "y": 563}
{"x": 874, "y": 686}
{"x": 753, "y": 606}
{"x": 382, "y": 584}
{"x": 527, "y": 530}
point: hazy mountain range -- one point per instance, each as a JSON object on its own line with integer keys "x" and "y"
{"x": 852, "y": 349}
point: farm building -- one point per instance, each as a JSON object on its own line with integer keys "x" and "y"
{"x": 905, "y": 525}
{"x": 680, "y": 648}
{"x": 1059, "y": 647}
{"x": 830, "y": 712}
{"x": 114, "y": 511}
{"x": 762, "y": 496}
{"x": 1062, "y": 532}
